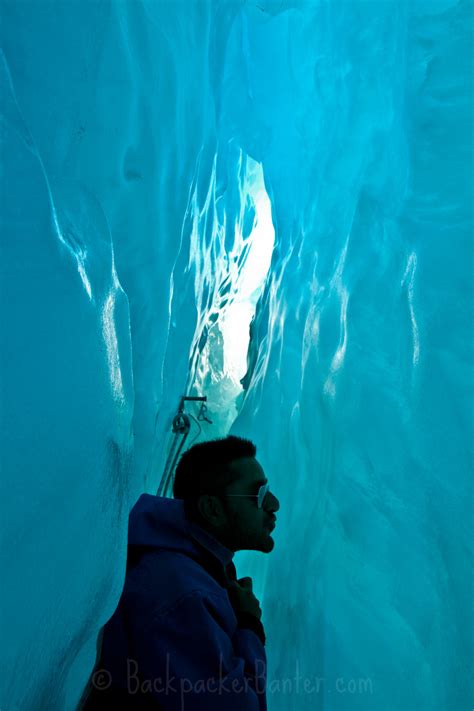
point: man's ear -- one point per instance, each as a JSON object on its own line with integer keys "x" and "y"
{"x": 211, "y": 510}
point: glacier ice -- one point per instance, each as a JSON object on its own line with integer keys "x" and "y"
{"x": 143, "y": 146}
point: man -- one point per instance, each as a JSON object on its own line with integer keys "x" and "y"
{"x": 187, "y": 635}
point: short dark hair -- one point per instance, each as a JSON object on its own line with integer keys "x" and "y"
{"x": 204, "y": 468}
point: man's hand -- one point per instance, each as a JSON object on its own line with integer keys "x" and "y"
{"x": 242, "y": 598}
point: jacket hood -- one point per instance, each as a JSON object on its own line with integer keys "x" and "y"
{"x": 157, "y": 522}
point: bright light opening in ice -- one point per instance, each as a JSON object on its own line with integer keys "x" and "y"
{"x": 236, "y": 320}
{"x": 237, "y": 275}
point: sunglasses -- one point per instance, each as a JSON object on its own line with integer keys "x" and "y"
{"x": 262, "y": 492}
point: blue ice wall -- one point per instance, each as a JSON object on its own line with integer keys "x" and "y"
{"x": 125, "y": 131}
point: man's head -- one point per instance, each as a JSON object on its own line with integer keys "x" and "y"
{"x": 219, "y": 481}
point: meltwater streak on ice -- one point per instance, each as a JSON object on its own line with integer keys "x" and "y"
{"x": 409, "y": 277}
{"x": 337, "y": 284}
{"x": 110, "y": 337}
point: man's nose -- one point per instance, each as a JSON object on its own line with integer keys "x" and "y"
{"x": 273, "y": 504}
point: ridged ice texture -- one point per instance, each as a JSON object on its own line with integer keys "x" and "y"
{"x": 67, "y": 397}
{"x": 125, "y": 129}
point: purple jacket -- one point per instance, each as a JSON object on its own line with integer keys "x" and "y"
{"x": 174, "y": 642}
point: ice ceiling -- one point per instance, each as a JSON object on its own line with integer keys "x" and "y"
{"x": 268, "y": 203}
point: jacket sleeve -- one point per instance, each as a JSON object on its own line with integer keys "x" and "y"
{"x": 192, "y": 663}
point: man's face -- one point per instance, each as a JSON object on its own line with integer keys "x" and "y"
{"x": 245, "y": 526}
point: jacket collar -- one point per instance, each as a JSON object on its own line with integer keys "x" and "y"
{"x": 211, "y": 544}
